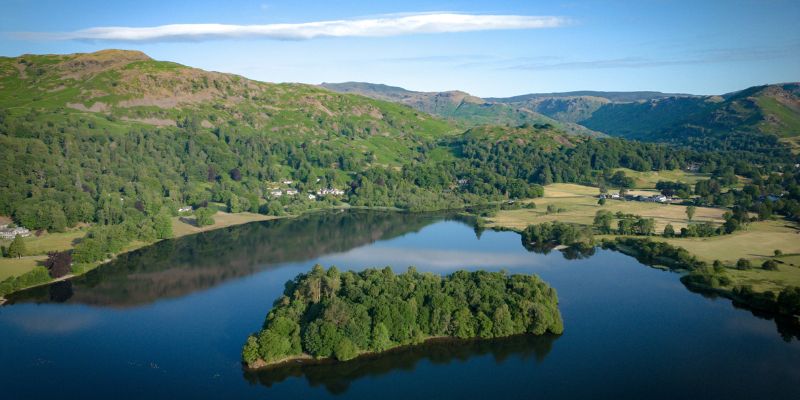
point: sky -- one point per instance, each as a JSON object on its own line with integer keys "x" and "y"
{"x": 487, "y": 48}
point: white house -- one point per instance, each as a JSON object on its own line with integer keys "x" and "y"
{"x": 329, "y": 191}
{"x": 291, "y": 192}
{"x": 276, "y": 193}
{"x": 11, "y": 233}
{"x": 185, "y": 209}
{"x": 312, "y": 196}
{"x": 287, "y": 182}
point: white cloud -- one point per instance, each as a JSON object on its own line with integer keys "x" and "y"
{"x": 372, "y": 27}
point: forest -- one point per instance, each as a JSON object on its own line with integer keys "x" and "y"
{"x": 335, "y": 314}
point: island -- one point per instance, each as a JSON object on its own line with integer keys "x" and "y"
{"x": 330, "y": 314}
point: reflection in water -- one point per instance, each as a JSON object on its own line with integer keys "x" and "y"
{"x": 337, "y": 376}
{"x": 788, "y": 327}
{"x": 174, "y": 268}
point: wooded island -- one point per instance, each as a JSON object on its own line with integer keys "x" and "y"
{"x": 333, "y": 314}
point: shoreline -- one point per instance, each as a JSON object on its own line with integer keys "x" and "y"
{"x": 307, "y": 359}
{"x": 246, "y": 218}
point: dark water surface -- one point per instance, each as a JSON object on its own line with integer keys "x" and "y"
{"x": 168, "y": 321}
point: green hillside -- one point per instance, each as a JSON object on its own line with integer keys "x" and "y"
{"x": 457, "y": 106}
{"x": 756, "y": 118}
{"x": 112, "y": 90}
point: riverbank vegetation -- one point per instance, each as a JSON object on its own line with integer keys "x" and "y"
{"x": 334, "y": 314}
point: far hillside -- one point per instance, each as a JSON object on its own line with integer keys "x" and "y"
{"x": 456, "y": 106}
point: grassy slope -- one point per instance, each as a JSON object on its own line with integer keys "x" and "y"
{"x": 648, "y": 179}
{"x": 116, "y": 90}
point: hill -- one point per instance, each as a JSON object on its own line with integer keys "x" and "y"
{"x": 617, "y": 97}
{"x": 456, "y": 106}
{"x": 116, "y": 137}
{"x": 113, "y": 89}
{"x": 754, "y": 118}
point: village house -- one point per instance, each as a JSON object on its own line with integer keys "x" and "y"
{"x": 311, "y": 196}
{"x": 287, "y": 182}
{"x": 185, "y": 209}
{"x": 329, "y": 191}
{"x": 291, "y": 192}
{"x": 276, "y": 193}
{"x": 693, "y": 167}
{"x": 11, "y": 233}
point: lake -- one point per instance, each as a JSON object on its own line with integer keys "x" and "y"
{"x": 169, "y": 321}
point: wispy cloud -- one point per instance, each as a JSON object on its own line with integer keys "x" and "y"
{"x": 394, "y": 25}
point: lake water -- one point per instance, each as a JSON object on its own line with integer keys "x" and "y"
{"x": 169, "y": 321}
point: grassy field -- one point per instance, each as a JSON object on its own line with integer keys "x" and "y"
{"x": 579, "y": 205}
{"x": 756, "y": 243}
{"x": 648, "y": 179}
{"x": 762, "y": 280}
{"x": 221, "y": 220}
{"x": 53, "y": 242}
{"x": 37, "y": 248}
{"x": 18, "y": 266}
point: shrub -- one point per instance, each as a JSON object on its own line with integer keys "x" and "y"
{"x": 743, "y": 264}
{"x": 770, "y": 265}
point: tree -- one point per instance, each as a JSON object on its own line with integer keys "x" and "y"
{"x": 380, "y": 337}
{"x": 690, "y": 212}
{"x": 503, "y": 324}
{"x": 602, "y": 221}
{"x": 16, "y": 248}
{"x": 59, "y": 263}
{"x": 203, "y": 216}
{"x": 669, "y": 231}
{"x": 770, "y": 265}
{"x": 163, "y": 226}
{"x": 778, "y": 253}
{"x": 236, "y": 175}
{"x": 602, "y": 201}
{"x": 743, "y": 264}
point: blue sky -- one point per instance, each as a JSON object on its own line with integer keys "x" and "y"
{"x": 699, "y": 46}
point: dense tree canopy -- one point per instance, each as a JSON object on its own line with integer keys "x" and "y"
{"x": 328, "y": 313}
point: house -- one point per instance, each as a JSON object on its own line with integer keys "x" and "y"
{"x": 329, "y": 191}
{"x": 312, "y": 196}
{"x": 287, "y": 182}
{"x": 615, "y": 196}
{"x": 276, "y": 193}
{"x": 291, "y": 192}
{"x": 463, "y": 181}
{"x": 185, "y": 209}
{"x": 693, "y": 167}
{"x": 11, "y": 233}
